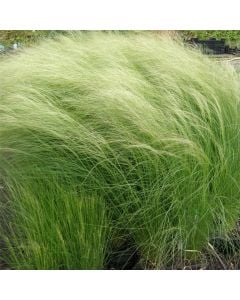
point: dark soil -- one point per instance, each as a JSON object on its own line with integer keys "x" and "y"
{"x": 124, "y": 257}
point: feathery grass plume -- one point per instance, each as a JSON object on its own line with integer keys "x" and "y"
{"x": 136, "y": 128}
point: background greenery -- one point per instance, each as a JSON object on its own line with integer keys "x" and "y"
{"x": 232, "y": 37}
{"x": 29, "y": 37}
{"x": 25, "y": 37}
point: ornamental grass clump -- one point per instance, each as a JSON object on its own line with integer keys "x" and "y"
{"x": 107, "y": 135}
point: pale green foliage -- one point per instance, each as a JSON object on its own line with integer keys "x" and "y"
{"x": 145, "y": 127}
